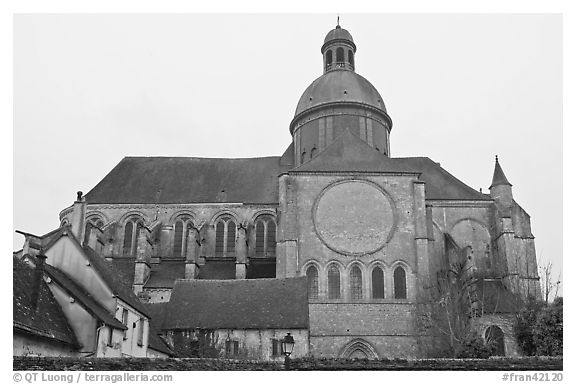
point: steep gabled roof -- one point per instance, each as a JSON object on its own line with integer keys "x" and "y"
{"x": 83, "y": 297}
{"x": 440, "y": 184}
{"x": 115, "y": 280}
{"x": 348, "y": 153}
{"x": 173, "y": 180}
{"x": 121, "y": 288}
{"x": 238, "y": 304}
{"x": 43, "y": 318}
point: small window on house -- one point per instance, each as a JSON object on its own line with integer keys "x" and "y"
{"x": 276, "y": 347}
{"x": 333, "y": 282}
{"x": 232, "y": 348}
{"x": 110, "y": 336}
{"x": 225, "y": 237}
{"x": 141, "y": 332}
{"x": 125, "y": 321}
{"x": 265, "y": 236}
{"x": 355, "y": 283}
{"x": 312, "y": 276}
{"x": 377, "y": 283}
{"x": 399, "y": 283}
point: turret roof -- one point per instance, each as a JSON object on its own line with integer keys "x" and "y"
{"x": 499, "y": 178}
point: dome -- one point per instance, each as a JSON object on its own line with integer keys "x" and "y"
{"x": 338, "y": 33}
{"x": 340, "y": 86}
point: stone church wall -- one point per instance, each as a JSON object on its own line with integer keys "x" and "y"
{"x": 387, "y": 327}
{"x": 384, "y": 327}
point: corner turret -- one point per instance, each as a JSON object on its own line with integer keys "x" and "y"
{"x": 501, "y": 189}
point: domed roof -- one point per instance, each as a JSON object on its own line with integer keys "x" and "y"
{"x": 338, "y": 33}
{"x": 339, "y": 86}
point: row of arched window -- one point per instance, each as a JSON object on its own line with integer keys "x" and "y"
{"x": 340, "y": 58}
{"x": 355, "y": 281}
{"x": 225, "y": 230}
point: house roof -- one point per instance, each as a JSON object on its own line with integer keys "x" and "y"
{"x": 495, "y": 297}
{"x": 119, "y": 284}
{"x": 44, "y": 319}
{"x": 167, "y": 180}
{"x": 82, "y": 296}
{"x": 157, "y": 312}
{"x": 238, "y": 304}
{"x": 114, "y": 280}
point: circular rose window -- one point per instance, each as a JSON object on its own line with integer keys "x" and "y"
{"x": 354, "y": 217}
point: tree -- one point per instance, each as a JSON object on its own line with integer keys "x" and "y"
{"x": 539, "y": 328}
{"x": 454, "y": 304}
{"x": 525, "y": 320}
{"x": 550, "y": 285}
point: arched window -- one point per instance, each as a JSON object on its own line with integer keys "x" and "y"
{"x": 355, "y": 283}
{"x": 339, "y": 55}
{"x": 313, "y": 152}
{"x": 328, "y": 59}
{"x": 351, "y": 58}
{"x": 399, "y": 283}
{"x": 131, "y": 232}
{"x": 225, "y": 236}
{"x": 333, "y": 282}
{"x": 312, "y": 276}
{"x": 265, "y": 237}
{"x": 303, "y": 157}
{"x": 377, "y": 283}
{"x": 92, "y": 221}
{"x": 181, "y": 229}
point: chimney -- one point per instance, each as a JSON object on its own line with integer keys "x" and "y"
{"x": 78, "y": 217}
{"x": 37, "y": 282}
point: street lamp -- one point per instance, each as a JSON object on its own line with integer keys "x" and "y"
{"x": 287, "y": 346}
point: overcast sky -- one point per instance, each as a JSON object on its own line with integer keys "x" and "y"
{"x": 91, "y": 89}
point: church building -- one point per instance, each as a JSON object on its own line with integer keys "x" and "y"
{"x": 336, "y": 223}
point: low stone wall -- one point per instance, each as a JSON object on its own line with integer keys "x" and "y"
{"x": 492, "y": 364}
{"x": 139, "y": 364}
{"x": 306, "y": 364}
